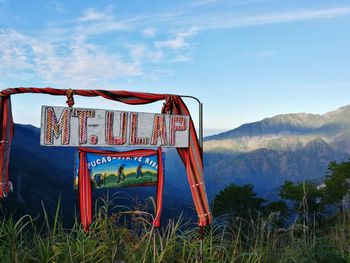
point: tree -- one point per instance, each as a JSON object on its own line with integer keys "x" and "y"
{"x": 279, "y": 207}
{"x": 337, "y": 183}
{"x": 240, "y": 201}
{"x": 306, "y": 198}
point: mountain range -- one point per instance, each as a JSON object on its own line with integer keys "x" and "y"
{"x": 286, "y": 132}
{"x": 292, "y": 147}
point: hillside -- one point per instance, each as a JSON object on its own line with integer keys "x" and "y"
{"x": 267, "y": 169}
{"x": 286, "y": 132}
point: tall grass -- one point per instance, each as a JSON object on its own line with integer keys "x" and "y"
{"x": 119, "y": 234}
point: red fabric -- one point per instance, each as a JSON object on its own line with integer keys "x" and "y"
{"x": 127, "y": 97}
{"x": 191, "y": 157}
{"x": 85, "y": 194}
{"x": 160, "y": 186}
{"x": 6, "y": 133}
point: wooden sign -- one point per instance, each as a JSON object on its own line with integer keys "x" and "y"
{"x": 63, "y": 126}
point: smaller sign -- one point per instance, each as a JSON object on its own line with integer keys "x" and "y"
{"x": 120, "y": 169}
{"x": 63, "y": 126}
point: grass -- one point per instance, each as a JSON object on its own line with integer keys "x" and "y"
{"x": 121, "y": 235}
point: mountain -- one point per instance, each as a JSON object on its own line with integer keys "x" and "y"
{"x": 39, "y": 174}
{"x": 286, "y": 132}
{"x": 267, "y": 169}
{"x": 292, "y": 147}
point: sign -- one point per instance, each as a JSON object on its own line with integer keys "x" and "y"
{"x": 114, "y": 170}
{"x": 63, "y": 126}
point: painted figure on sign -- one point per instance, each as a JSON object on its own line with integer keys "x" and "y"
{"x": 103, "y": 178}
{"x": 121, "y": 175}
{"x": 139, "y": 171}
{"x": 98, "y": 180}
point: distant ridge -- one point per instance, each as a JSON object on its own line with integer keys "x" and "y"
{"x": 286, "y": 132}
{"x": 267, "y": 169}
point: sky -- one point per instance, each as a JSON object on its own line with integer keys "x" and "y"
{"x": 244, "y": 59}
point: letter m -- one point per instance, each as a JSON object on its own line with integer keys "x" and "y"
{"x": 54, "y": 128}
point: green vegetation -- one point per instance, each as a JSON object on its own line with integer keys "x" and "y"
{"x": 245, "y": 229}
{"x": 241, "y": 201}
{"x": 337, "y": 184}
{"x": 306, "y": 199}
{"x": 178, "y": 241}
{"x": 237, "y": 200}
{"x": 111, "y": 239}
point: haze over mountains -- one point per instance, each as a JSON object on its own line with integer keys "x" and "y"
{"x": 292, "y": 147}
{"x": 286, "y": 132}
{"x": 285, "y": 147}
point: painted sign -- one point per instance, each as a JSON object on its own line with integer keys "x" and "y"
{"x": 114, "y": 170}
{"x": 63, "y": 126}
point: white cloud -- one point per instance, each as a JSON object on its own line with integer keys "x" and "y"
{"x": 149, "y": 32}
{"x": 156, "y": 56}
{"x": 97, "y": 22}
{"x": 259, "y": 54}
{"x": 12, "y": 55}
{"x": 137, "y": 53}
{"x": 228, "y": 17}
{"x": 142, "y": 54}
{"x": 216, "y": 21}
{"x": 79, "y": 63}
{"x": 181, "y": 58}
{"x": 179, "y": 42}
{"x": 99, "y": 28}
{"x": 68, "y": 53}
{"x": 92, "y": 14}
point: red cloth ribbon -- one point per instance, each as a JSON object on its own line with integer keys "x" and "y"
{"x": 6, "y": 134}
{"x": 85, "y": 194}
{"x": 160, "y": 186}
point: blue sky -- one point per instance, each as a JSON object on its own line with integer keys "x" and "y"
{"x": 245, "y": 59}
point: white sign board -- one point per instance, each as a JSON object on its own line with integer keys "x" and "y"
{"x": 63, "y": 126}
